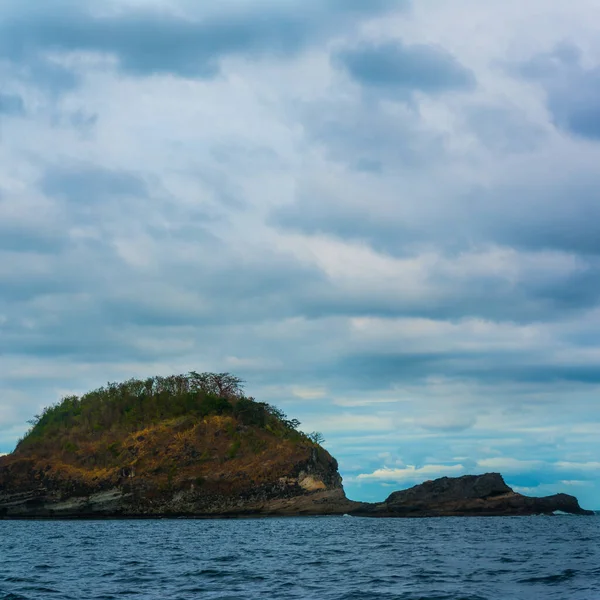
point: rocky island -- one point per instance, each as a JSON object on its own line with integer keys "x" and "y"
{"x": 195, "y": 446}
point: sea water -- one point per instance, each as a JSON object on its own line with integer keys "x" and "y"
{"x": 318, "y": 558}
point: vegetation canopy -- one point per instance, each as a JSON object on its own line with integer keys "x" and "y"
{"x": 117, "y": 410}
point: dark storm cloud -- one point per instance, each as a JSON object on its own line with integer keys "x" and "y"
{"x": 220, "y": 294}
{"x": 159, "y": 41}
{"x": 44, "y": 74}
{"x": 19, "y": 288}
{"x": 11, "y": 104}
{"x": 381, "y": 371}
{"x": 561, "y": 212}
{"x": 310, "y": 215}
{"x": 535, "y": 294}
{"x": 78, "y": 298}
{"x": 405, "y": 68}
{"x": 504, "y": 130}
{"x": 533, "y": 297}
{"x": 89, "y": 184}
{"x": 367, "y": 138}
{"x": 23, "y": 238}
{"x": 573, "y": 91}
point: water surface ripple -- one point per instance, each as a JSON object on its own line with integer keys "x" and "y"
{"x": 327, "y": 558}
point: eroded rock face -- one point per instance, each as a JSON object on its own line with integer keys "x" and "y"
{"x": 310, "y": 486}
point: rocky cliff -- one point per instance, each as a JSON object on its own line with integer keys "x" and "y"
{"x": 196, "y": 446}
{"x": 310, "y": 484}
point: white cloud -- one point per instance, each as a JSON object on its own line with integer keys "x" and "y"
{"x": 578, "y": 466}
{"x": 446, "y": 421}
{"x": 575, "y": 482}
{"x": 307, "y": 393}
{"x": 412, "y": 473}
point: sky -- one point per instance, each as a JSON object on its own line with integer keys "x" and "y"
{"x": 383, "y": 215}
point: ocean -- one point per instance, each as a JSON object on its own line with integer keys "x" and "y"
{"x": 321, "y": 558}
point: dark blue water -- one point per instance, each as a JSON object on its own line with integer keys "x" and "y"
{"x": 318, "y": 558}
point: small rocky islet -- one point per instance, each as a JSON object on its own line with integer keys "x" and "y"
{"x": 196, "y": 446}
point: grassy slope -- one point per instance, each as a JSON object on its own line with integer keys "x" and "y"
{"x": 172, "y": 432}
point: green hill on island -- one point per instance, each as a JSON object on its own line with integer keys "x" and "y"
{"x": 197, "y": 435}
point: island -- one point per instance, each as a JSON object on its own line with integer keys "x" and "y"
{"x": 196, "y": 446}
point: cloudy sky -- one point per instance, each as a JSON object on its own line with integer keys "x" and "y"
{"x": 384, "y": 215}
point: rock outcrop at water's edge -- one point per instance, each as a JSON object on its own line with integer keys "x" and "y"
{"x": 189, "y": 446}
{"x": 314, "y": 490}
{"x": 284, "y": 497}
{"x": 470, "y": 495}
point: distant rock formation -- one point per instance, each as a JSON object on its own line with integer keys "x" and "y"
{"x": 475, "y": 495}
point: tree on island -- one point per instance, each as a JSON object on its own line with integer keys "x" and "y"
{"x": 316, "y": 437}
